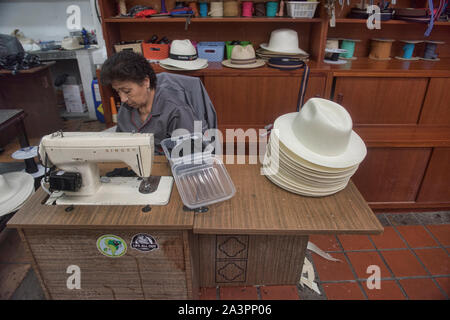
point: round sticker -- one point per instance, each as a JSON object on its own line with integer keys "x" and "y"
{"x": 111, "y": 246}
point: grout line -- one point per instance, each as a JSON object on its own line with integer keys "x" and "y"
{"x": 217, "y": 293}
{"x": 388, "y": 279}
{"x": 353, "y": 271}
{"x": 258, "y": 292}
{"x": 434, "y": 237}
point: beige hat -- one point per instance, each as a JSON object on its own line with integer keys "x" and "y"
{"x": 283, "y": 41}
{"x": 15, "y": 189}
{"x": 243, "y": 57}
{"x": 183, "y": 55}
{"x": 321, "y": 133}
{"x": 71, "y": 43}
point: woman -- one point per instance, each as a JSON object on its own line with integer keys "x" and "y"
{"x": 145, "y": 106}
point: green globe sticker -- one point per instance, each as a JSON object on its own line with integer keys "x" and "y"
{"x": 111, "y": 246}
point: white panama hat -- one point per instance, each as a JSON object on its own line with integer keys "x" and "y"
{"x": 183, "y": 55}
{"x": 322, "y": 134}
{"x": 243, "y": 57}
{"x": 283, "y": 41}
{"x": 15, "y": 189}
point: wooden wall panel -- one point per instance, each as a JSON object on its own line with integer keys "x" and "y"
{"x": 381, "y": 100}
{"x": 391, "y": 174}
{"x": 436, "y": 107}
{"x": 436, "y": 184}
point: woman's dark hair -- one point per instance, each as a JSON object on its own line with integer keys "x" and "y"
{"x": 127, "y": 66}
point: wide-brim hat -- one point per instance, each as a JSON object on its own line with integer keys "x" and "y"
{"x": 71, "y": 43}
{"x": 283, "y": 41}
{"x": 183, "y": 55}
{"x": 243, "y": 57}
{"x": 321, "y": 133}
{"x": 15, "y": 189}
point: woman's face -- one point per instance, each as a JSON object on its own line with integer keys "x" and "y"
{"x": 132, "y": 93}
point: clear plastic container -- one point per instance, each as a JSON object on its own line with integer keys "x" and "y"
{"x": 200, "y": 176}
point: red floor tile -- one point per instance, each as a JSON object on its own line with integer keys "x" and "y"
{"x": 441, "y": 232}
{"x": 421, "y": 289}
{"x": 208, "y": 294}
{"x": 343, "y": 291}
{"x": 325, "y": 242}
{"x": 403, "y": 263}
{"x": 389, "y": 239}
{"x": 238, "y": 293}
{"x": 389, "y": 290}
{"x": 333, "y": 270}
{"x": 416, "y": 236}
{"x": 436, "y": 261}
{"x": 355, "y": 242}
{"x": 361, "y": 260}
{"x": 444, "y": 283}
{"x": 279, "y": 293}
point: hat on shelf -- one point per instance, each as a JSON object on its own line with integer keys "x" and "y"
{"x": 243, "y": 57}
{"x": 183, "y": 56}
{"x": 322, "y": 134}
{"x": 283, "y": 41}
{"x": 15, "y": 189}
{"x": 71, "y": 43}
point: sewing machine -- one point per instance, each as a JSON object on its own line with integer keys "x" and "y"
{"x": 77, "y": 180}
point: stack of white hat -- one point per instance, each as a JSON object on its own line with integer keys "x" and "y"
{"x": 282, "y": 43}
{"x": 314, "y": 152}
{"x": 15, "y": 189}
{"x": 183, "y": 57}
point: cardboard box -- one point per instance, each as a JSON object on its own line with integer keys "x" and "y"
{"x": 74, "y": 98}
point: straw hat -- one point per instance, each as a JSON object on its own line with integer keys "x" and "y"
{"x": 183, "y": 55}
{"x": 15, "y": 189}
{"x": 283, "y": 41}
{"x": 322, "y": 134}
{"x": 243, "y": 57}
{"x": 71, "y": 43}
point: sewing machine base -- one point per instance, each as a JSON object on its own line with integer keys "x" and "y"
{"x": 119, "y": 191}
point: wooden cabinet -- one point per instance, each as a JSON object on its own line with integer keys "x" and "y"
{"x": 377, "y": 100}
{"x": 436, "y": 107}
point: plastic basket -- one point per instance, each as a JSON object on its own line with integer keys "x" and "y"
{"x": 153, "y": 51}
{"x": 230, "y": 47}
{"x": 211, "y": 51}
{"x": 136, "y": 47}
{"x": 301, "y": 9}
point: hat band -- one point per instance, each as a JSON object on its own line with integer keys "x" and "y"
{"x": 183, "y": 57}
{"x": 243, "y": 61}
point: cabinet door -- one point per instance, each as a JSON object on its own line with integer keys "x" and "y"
{"x": 381, "y": 100}
{"x": 436, "y": 184}
{"x": 436, "y": 107}
{"x": 316, "y": 87}
{"x": 391, "y": 174}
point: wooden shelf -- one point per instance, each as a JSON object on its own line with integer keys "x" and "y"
{"x": 389, "y": 22}
{"x": 213, "y": 19}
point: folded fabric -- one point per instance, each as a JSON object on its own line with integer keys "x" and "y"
{"x": 180, "y": 11}
{"x": 145, "y": 13}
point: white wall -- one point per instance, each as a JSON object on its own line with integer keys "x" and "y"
{"x": 45, "y": 19}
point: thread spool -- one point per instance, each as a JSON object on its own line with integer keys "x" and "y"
{"x": 331, "y": 44}
{"x": 430, "y": 50}
{"x": 193, "y": 6}
{"x": 247, "y": 9}
{"x": 203, "y": 8}
{"x": 381, "y": 49}
{"x": 271, "y": 8}
{"x": 28, "y": 154}
{"x": 349, "y": 45}
{"x": 260, "y": 9}
{"x": 408, "y": 50}
{"x": 333, "y": 56}
{"x": 231, "y": 9}
{"x": 216, "y": 9}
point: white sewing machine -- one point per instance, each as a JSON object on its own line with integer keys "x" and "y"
{"x": 78, "y": 181}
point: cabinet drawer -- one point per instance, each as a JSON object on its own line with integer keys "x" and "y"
{"x": 381, "y": 100}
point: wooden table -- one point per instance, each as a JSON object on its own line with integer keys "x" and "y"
{"x": 257, "y": 237}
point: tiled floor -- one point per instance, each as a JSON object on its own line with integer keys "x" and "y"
{"x": 412, "y": 256}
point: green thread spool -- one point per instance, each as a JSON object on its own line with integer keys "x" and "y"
{"x": 348, "y": 45}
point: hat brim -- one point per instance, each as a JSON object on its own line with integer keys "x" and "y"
{"x": 186, "y": 65}
{"x": 355, "y": 153}
{"x": 168, "y": 67}
{"x": 265, "y": 46}
{"x": 22, "y": 187}
{"x": 257, "y": 64}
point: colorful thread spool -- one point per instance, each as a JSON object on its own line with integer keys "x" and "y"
{"x": 349, "y": 45}
{"x": 381, "y": 49}
{"x": 247, "y": 9}
{"x": 260, "y": 9}
{"x": 203, "y": 9}
{"x": 271, "y": 8}
{"x": 216, "y": 9}
{"x": 193, "y": 6}
{"x": 430, "y": 50}
{"x": 408, "y": 50}
{"x": 231, "y": 9}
